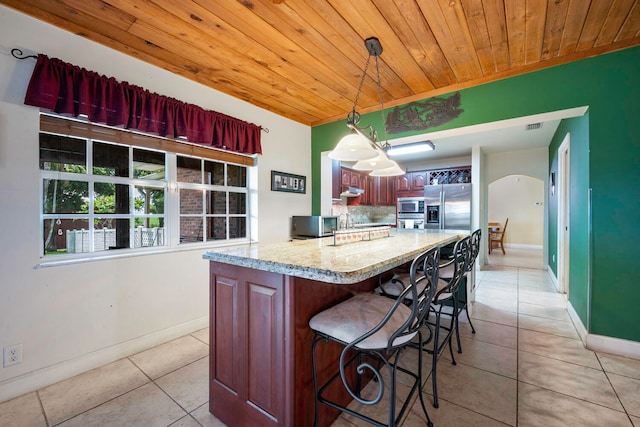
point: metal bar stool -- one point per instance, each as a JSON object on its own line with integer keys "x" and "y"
{"x": 446, "y": 273}
{"x": 375, "y": 331}
{"x": 445, "y": 305}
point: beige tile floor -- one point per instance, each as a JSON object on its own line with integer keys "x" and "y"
{"x": 525, "y": 366}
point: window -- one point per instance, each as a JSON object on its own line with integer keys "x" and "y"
{"x": 213, "y": 200}
{"x": 102, "y": 196}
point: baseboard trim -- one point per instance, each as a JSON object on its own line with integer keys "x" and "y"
{"x": 35, "y": 380}
{"x": 553, "y": 277}
{"x": 613, "y": 345}
{"x": 601, "y": 343}
{"x": 522, "y": 246}
{"x": 577, "y": 322}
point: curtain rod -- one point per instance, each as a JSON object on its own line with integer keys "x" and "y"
{"x": 18, "y": 54}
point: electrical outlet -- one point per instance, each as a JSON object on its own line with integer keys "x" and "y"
{"x": 12, "y": 355}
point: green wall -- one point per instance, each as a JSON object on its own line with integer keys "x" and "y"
{"x": 610, "y": 86}
{"x": 578, "y": 129}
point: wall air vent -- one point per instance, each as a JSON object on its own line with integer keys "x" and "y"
{"x": 534, "y": 126}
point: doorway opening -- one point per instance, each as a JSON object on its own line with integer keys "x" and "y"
{"x": 520, "y": 199}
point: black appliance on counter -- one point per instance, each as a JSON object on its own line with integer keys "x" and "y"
{"x": 306, "y": 227}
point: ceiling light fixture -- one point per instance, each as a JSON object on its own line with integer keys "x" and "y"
{"x": 414, "y": 147}
{"x": 362, "y": 144}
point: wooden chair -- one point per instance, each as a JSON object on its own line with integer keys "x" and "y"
{"x": 496, "y": 238}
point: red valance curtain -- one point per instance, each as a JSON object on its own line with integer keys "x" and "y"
{"x": 68, "y": 89}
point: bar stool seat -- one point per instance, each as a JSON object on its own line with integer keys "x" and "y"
{"x": 354, "y": 317}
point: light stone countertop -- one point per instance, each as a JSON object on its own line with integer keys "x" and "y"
{"x": 318, "y": 259}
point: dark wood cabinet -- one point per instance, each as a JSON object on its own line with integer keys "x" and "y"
{"x": 412, "y": 183}
{"x": 247, "y": 348}
{"x": 385, "y": 191}
{"x": 355, "y": 179}
{"x": 419, "y": 179}
{"x": 345, "y": 175}
{"x": 378, "y": 191}
{"x": 336, "y": 179}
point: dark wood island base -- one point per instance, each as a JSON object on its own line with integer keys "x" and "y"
{"x": 260, "y": 365}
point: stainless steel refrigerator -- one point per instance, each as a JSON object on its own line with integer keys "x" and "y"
{"x": 447, "y": 207}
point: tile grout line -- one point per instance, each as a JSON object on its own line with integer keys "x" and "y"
{"x": 614, "y": 389}
{"x": 44, "y": 413}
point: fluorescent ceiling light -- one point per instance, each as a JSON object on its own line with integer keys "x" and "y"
{"x": 414, "y": 147}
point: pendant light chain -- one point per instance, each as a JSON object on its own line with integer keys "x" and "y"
{"x": 354, "y": 116}
{"x": 385, "y": 143}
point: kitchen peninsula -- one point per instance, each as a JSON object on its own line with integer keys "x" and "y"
{"x": 261, "y": 300}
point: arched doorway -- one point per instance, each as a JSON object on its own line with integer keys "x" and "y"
{"x": 519, "y": 198}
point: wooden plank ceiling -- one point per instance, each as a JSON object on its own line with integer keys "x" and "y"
{"x": 303, "y": 59}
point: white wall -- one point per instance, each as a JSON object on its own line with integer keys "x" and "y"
{"x": 75, "y": 317}
{"x": 532, "y": 162}
{"x": 519, "y": 198}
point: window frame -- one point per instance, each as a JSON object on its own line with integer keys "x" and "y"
{"x": 91, "y": 134}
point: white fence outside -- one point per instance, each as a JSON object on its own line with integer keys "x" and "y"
{"x": 103, "y": 239}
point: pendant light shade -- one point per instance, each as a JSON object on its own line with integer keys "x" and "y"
{"x": 353, "y": 147}
{"x": 394, "y": 170}
{"x": 381, "y": 161}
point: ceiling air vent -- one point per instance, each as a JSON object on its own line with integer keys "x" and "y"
{"x": 534, "y": 126}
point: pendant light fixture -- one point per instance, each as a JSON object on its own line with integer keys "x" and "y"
{"x": 362, "y": 145}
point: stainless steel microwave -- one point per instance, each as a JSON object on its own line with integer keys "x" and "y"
{"x": 410, "y": 205}
{"x": 313, "y": 226}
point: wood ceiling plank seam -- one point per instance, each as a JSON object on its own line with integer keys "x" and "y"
{"x": 270, "y": 86}
{"x": 515, "y": 17}
{"x": 554, "y": 28}
{"x": 477, "y": 22}
{"x": 437, "y": 23}
{"x": 576, "y": 16}
{"x": 497, "y": 24}
{"x": 401, "y": 22}
{"x": 438, "y": 69}
{"x": 367, "y": 21}
{"x": 535, "y": 22}
{"x": 596, "y": 17}
{"x": 451, "y": 32}
{"x": 631, "y": 26}
{"x": 459, "y": 27}
{"x": 306, "y": 85}
{"x": 353, "y": 43}
{"x": 309, "y": 38}
{"x": 474, "y": 11}
{"x": 616, "y": 17}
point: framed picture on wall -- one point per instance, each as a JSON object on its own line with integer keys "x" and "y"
{"x": 282, "y": 181}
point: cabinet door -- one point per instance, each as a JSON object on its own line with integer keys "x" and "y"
{"x": 382, "y": 191}
{"x": 246, "y": 355}
{"x": 336, "y": 179}
{"x": 418, "y": 180}
{"x": 365, "y": 198}
{"x": 355, "y": 179}
{"x": 404, "y": 182}
{"x": 345, "y": 177}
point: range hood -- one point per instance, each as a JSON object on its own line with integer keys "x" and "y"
{"x": 352, "y": 192}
